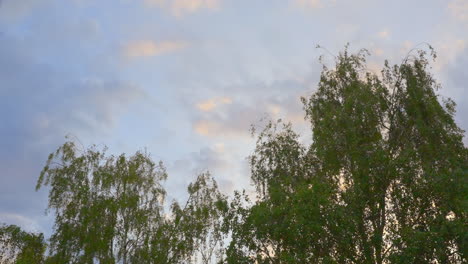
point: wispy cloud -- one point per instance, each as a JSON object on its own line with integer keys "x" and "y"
{"x": 448, "y": 50}
{"x": 313, "y": 4}
{"x": 378, "y": 51}
{"x": 15, "y": 9}
{"x": 206, "y": 127}
{"x": 103, "y": 101}
{"x": 211, "y": 104}
{"x": 182, "y": 7}
{"x": 309, "y": 3}
{"x": 234, "y": 120}
{"x": 459, "y": 9}
{"x": 24, "y": 222}
{"x": 149, "y": 48}
{"x": 384, "y": 34}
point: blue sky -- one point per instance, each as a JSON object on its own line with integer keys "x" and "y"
{"x": 185, "y": 79}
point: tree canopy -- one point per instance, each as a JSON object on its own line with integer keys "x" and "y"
{"x": 110, "y": 209}
{"x": 20, "y": 247}
{"x": 383, "y": 181}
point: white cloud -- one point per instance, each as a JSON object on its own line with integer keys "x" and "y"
{"x": 448, "y": 50}
{"x": 274, "y": 109}
{"x": 206, "y": 105}
{"x": 347, "y": 30}
{"x": 459, "y": 9}
{"x": 16, "y": 9}
{"x": 207, "y": 128}
{"x": 384, "y": 34}
{"x": 16, "y": 219}
{"x": 103, "y": 101}
{"x": 309, "y": 3}
{"x": 235, "y": 120}
{"x": 149, "y": 48}
{"x": 211, "y": 104}
{"x": 378, "y": 51}
{"x": 313, "y": 4}
{"x": 219, "y": 147}
{"x": 158, "y": 3}
{"x": 182, "y": 7}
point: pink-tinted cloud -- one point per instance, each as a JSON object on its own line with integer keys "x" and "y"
{"x": 211, "y": 104}
{"x": 183, "y": 7}
{"x": 149, "y": 48}
{"x": 459, "y": 9}
{"x": 313, "y": 4}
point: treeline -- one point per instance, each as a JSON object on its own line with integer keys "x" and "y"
{"x": 383, "y": 181}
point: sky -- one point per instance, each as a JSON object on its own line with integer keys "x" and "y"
{"x": 186, "y": 79}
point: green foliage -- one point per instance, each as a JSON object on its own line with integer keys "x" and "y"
{"x": 20, "y": 247}
{"x": 384, "y": 181}
{"x": 103, "y": 206}
{"x": 192, "y": 233}
{"x": 111, "y": 210}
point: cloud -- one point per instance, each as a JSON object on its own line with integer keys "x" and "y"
{"x": 378, "y": 51}
{"x": 233, "y": 126}
{"x": 206, "y": 105}
{"x": 455, "y": 87}
{"x": 384, "y": 34}
{"x": 149, "y": 48}
{"x": 227, "y": 128}
{"x": 232, "y": 123}
{"x": 459, "y": 9}
{"x": 208, "y": 128}
{"x": 221, "y": 164}
{"x": 24, "y": 222}
{"x": 219, "y": 147}
{"x": 39, "y": 104}
{"x": 406, "y": 47}
{"x": 209, "y": 105}
{"x": 448, "y": 49}
{"x": 309, "y": 3}
{"x": 313, "y": 4}
{"x": 102, "y": 101}
{"x": 209, "y": 159}
{"x": 347, "y": 30}
{"x": 204, "y": 128}
{"x": 230, "y": 169}
{"x": 182, "y": 7}
{"x": 16, "y": 9}
{"x": 236, "y": 119}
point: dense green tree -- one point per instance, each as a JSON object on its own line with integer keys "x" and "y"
{"x": 384, "y": 180}
{"x": 20, "y": 247}
{"x": 288, "y": 221}
{"x": 110, "y": 209}
{"x": 103, "y": 206}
